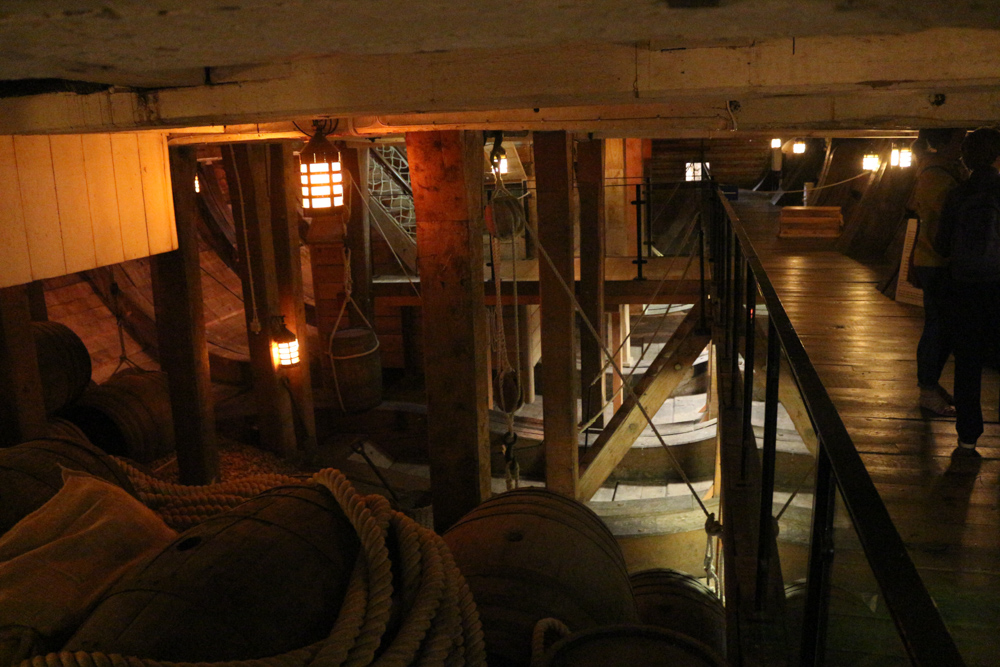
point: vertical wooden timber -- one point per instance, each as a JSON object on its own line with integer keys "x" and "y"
{"x": 247, "y": 175}
{"x": 616, "y": 200}
{"x": 36, "y": 301}
{"x": 590, "y": 185}
{"x": 553, "y": 173}
{"x": 22, "y": 408}
{"x": 358, "y": 235}
{"x": 288, "y": 274}
{"x": 446, "y": 170}
{"x": 180, "y": 329}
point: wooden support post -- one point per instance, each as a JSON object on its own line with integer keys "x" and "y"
{"x": 357, "y": 237}
{"x": 180, "y": 329}
{"x": 530, "y": 340}
{"x": 22, "y": 408}
{"x": 285, "y": 184}
{"x": 616, "y": 199}
{"x": 616, "y": 339}
{"x": 590, "y": 184}
{"x": 664, "y": 374}
{"x": 36, "y": 301}
{"x": 560, "y": 383}
{"x": 446, "y": 170}
{"x": 246, "y": 173}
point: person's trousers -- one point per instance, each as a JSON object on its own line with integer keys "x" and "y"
{"x": 935, "y": 344}
{"x": 975, "y": 326}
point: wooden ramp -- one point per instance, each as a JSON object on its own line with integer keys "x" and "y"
{"x": 863, "y": 346}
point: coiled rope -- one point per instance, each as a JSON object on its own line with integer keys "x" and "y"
{"x": 440, "y": 625}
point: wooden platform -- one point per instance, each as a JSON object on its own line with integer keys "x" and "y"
{"x": 863, "y": 345}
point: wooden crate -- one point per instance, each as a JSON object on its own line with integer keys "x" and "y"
{"x": 810, "y": 222}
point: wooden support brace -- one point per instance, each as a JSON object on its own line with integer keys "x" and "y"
{"x": 664, "y": 374}
{"x": 22, "y": 408}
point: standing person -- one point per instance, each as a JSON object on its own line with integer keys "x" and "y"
{"x": 938, "y": 151}
{"x": 969, "y": 234}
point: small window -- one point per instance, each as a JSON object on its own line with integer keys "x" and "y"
{"x": 693, "y": 171}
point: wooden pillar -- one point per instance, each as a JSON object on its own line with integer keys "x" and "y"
{"x": 554, "y": 176}
{"x": 357, "y": 236}
{"x": 529, "y": 338}
{"x": 22, "y": 407}
{"x": 288, "y": 275}
{"x": 590, "y": 185}
{"x": 446, "y": 170}
{"x": 180, "y": 331}
{"x": 36, "y": 301}
{"x": 633, "y": 176}
{"x": 616, "y": 200}
{"x": 246, "y": 173}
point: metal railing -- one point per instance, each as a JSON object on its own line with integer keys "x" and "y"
{"x": 740, "y": 279}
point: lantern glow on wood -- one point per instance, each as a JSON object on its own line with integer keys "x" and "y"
{"x": 284, "y": 345}
{"x": 321, "y": 176}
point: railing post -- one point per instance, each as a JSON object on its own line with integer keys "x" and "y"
{"x": 821, "y": 550}
{"x": 638, "y": 202}
{"x": 736, "y": 305}
{"x": 767, "y": 463}
{"x": 749, "y": 443}
{"x": 703, "y": 322}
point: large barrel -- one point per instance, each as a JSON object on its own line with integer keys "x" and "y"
{"x": 263, "y": 579}
{"x": 63, "y": 363}
{"x": 357, "y": 368}
{"x": 531, "y": 554}
{"x": 129, "y": 415}
{"x": 31, "y": 473}
{"x": 630, "y": 645}
{"x": 679, "y": 602}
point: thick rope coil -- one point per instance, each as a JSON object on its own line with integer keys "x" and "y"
{"x": 440, "y": 626}
{"x": 543, "y": 628}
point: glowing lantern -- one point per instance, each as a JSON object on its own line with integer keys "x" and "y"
{"x": 284, "y": 345}
{"x": 871, "y": 162}
{"x": 197, "y": 184}
{"x": 775, "y": 143}
{"x": 321, "y": 175}
{"x": 799, "y": 147}
{"x": 905, "y": 157}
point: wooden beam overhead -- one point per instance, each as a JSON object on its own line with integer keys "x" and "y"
{"x": 664, "y": 374}
{"x": 560, "y": 381}
{"x": 834, "y": 80}
{"x": 447, "y": 176}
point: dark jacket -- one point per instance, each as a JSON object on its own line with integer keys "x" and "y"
{"x": 969, "y": 235}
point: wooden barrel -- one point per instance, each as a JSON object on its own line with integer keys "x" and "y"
{"x": 531, "y": 554}
{"x": 676, "y": 601}
{"x": 63, "y": 363}
{"x": 357, "y": 368}
{"x": 632, "y": 646}
{"x": 129, "y": 415}
{"x": 263, "y": 579}
{"x": 31, "y": 473}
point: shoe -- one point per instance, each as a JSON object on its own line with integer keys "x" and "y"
{"x": 935, "y": 399}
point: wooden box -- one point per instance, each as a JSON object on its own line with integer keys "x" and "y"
{"x": 810, "y": 222}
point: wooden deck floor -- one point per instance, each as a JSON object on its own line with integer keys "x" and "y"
{"x": 947, "y": 508}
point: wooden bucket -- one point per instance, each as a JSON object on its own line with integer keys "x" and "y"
{"x": 357, "y": 368}
{"x": 531, "y": 554}
{"x": 63, "y": 363}
{"x": 630, "y": 645}
{"x": 260, "y": 580}
{"x": 31, "y": 473}
{"x": 129, "y": 415}
{"x": 679, "y": 602}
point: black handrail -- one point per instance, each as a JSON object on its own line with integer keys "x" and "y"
{"x": 918, "y": 622}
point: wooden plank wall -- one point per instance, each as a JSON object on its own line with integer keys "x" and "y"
{"x": 92, "y": 200}
{"x": 740, "y": 161}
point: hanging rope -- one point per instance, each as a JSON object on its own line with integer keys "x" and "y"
{"x": 348, "y": 288}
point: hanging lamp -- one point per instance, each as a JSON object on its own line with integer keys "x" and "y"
{"x": 284, "y": 344}
{"x": 320, "y": 173}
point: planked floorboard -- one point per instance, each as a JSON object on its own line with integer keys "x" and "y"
{"x": 945, "y": 506}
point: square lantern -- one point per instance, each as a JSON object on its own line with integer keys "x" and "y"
{"x": 320, "y": 175}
